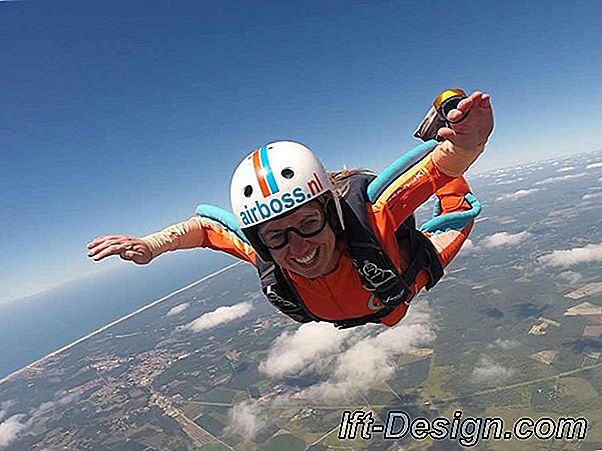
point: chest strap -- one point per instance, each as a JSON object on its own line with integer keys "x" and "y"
{"x": 376, "y": 270}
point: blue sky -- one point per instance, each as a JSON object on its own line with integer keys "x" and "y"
{"x": 120, "y": 117}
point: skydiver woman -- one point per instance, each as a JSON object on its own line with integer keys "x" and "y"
{"x": 338, "y": 247}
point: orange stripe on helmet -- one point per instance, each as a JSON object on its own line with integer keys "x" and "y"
{"x": 265, "y": 190}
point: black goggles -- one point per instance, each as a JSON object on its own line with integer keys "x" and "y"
{"x": 310, "y": 225}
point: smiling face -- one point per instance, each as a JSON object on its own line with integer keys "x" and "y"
{"x": 311, "y": 256}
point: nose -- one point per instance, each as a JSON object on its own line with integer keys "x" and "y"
{"x": 297, "y": 245}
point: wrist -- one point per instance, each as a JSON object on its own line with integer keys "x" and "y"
{"x": 454, "y": 160}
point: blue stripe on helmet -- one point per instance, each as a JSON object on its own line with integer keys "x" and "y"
{"x": 269, "y": 176}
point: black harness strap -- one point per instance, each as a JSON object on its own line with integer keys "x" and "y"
{"x": 281, "y": 294}
{"x": 376, "y": 270}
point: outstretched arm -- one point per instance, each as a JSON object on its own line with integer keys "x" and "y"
{"x": 211, "y": 227}
{"x": 183, "y": 235}
{"x": 414, "y": 177}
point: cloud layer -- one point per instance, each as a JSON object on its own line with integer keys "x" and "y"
{"x": 219, "y": 316}
{"x": 571, "y": 277}
{"x": 468, "y": 246}
{"x": 570, "y": 257}
{"x": 10, "y": 429}
{"x": 560, "y": 178}
{"x": 303, "y": 350}
{"x": 505, "y": 344}
{"x": 591, "y": 196}
{"x": 566, "y": 169}
{"x": 246, "y": 419}
{"x": 487, "y": 371}
{"x": 504, "y": 239}
{"x": 517, "y": 194}
{"x": 15, "y": 425}
{"x": 178, "y": 309}
{"x": 334, "y": 355}
{"x": 343, "y": 362}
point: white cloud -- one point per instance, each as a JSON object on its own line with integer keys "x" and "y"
{"x": 594, "y": 165}
{"x": 377, "y": 354}
{"x": 560, "y": 178}
{"x": 570, "y": 276}
{"x": 468, "y": 247}
{"x": 566, "y": 169}
{"x": 10, "y": 429}
{"x": 517, "y": 194}
{"x": 506, "y": 345}
{"x": 569, "y": 257}
{"x": 219, "y": 316}
{"x": 66, "y": 398}
{"x": 246, "y": 419}
{"x": 178, "y": 309}
{"x": 591, "y": 196}
{"x": 509, "y": 182}
{"x": 504, "y": 239}
{"x": 487, "y": 371}
{"x": 304, "y": 349}
{"x": 346, "y": 360}
{"x": 4, "y": 408}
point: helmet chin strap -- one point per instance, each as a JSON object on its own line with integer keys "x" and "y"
{"x": 337, "y": 205}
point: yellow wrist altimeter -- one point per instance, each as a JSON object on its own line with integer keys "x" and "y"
{"x": 436, "y": 117}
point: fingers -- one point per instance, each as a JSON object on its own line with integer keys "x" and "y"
{"x": 129, "y": 255}
{"x": 95, "y": 242}
{"x": 128, "y": 248}
{"x": 485, "y": 100}
{"x": 447, "y": 133}
{"x": 463, "y": 108}
{"x": 466, "y": 104}
{"x": 139, "y": 255}
{"x": 466, "y": 130}
{"x": 480, "y": 99}
{"x": 455, "y": 115}
{"x": 477, "y": 101}
{"x": 107, "y": 245}
{"x": 106, "y": 250}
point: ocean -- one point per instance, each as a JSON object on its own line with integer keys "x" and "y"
{"x": 32, "y": 327}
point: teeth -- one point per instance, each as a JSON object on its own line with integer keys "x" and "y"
{"x": 307, "y": 259}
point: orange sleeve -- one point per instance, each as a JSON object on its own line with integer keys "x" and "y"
{"x": 452, "y": 199}
{"x": 407, "y": 192}
{"x": 452, "y": 196}
{"x": 220, "y": 238}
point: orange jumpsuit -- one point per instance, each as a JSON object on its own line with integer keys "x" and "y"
{"x": 339, "y": 295}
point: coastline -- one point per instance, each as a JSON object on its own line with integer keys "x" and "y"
{"x": 41, "y": 360}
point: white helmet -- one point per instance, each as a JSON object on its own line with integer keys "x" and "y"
{"x": 276, "y": 179}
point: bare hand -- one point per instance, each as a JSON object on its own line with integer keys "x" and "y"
{"x": 472, "y": 131}
{"x": 128, "y": 248}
